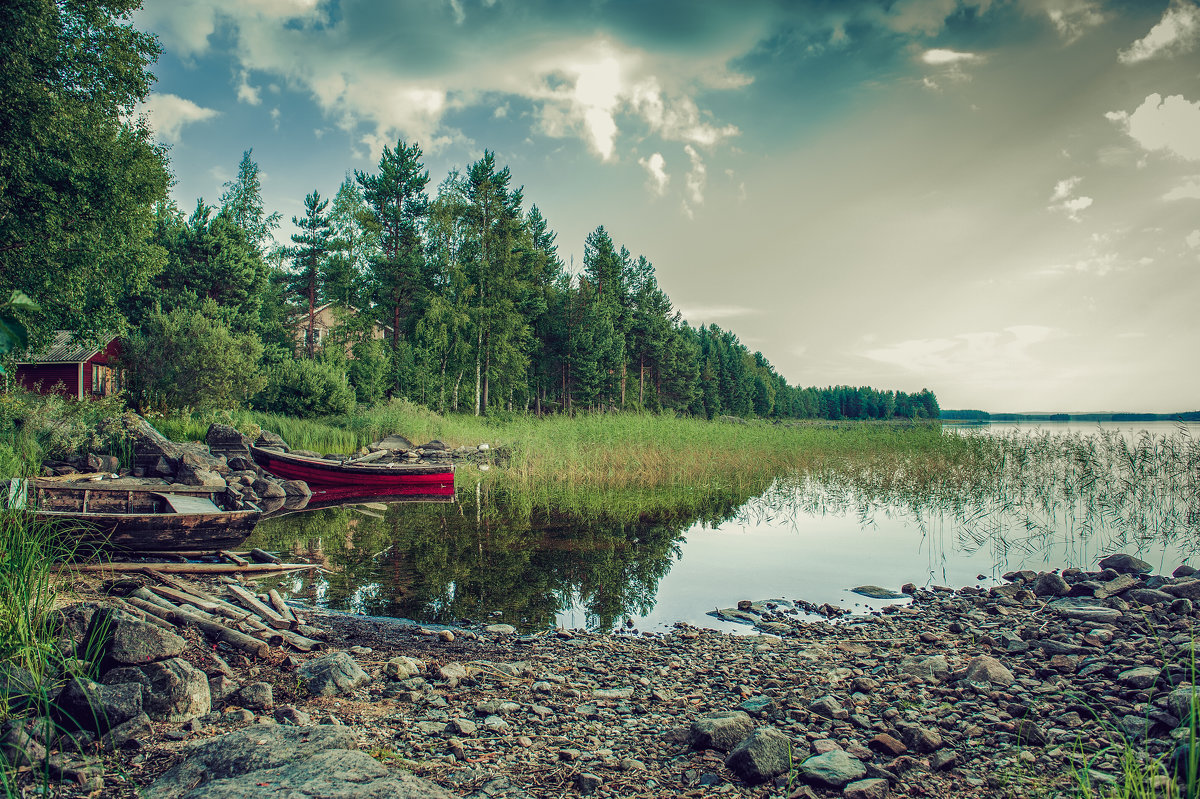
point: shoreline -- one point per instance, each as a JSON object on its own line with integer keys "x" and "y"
{"x": 973, "y": 692}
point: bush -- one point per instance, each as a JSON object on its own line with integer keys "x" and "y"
{"x": 305, "y": 388}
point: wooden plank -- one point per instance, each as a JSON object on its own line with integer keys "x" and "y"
{"x": 184, "y": 598}
{"x": 264, "y": 557}
{"x": 280, "y": 606}
{"x": 268, "y": 614}
{"x": 190, "y": 568}
{"x": 232, "y": 558}
{"x": 181, "y": 503}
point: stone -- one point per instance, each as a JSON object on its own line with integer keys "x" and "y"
{"x": 18, "y": 687}
{"x": 98, "y": 708}
{"x": 887, "y": 744}
{"x": 987, "y": 669}
{"x": 721, "y": 731}
{"x": 587, "y": 783}
{"x": 175, "y": 691}
{"x": 828, "y": 707}
{"x": 1148, "y": 596}
{"x": 332, "y": 674}
{"x": 128, "y": 734}
{"x": 866, "y": 789}
{"x": 1183, "y": 571}
{"x": 1182, "y": 607}
{"x": 268, "y": 489}
{"x": 1120, "y": 583}
{"x": 832, "y": 770}
{"x": 223, "y": 439}
{"x": 286, "y": 714}
{"x": 19, "y": 748}
{"x": 1029, "y": 733}
{"x": 1126, "y": 564}
{"x": 256, "y": 696}
{"x": 199, "y": 476}
{"x": 1097, "y": 615}
{"x": 287, "y": 762}
{"x": 764, "y": 754}
{"x": 1050, "y": 584}
{"x": 73, "y": 623}
{"x": 612, "y": 693}
{"x": 876, "y": 592}
{"x": 454, "y": 673}
{"x": 220, "y": 688}
{"x": 500, "y": 629}
{"x": 270, "y": 440}
{"x": 922, "y": 739}
{"x": 1139, "y": 677}
{"x": 402, "y": 668}
{"x": 1185, "y": 589}
{"x": 130, "y": 642}
{"x": 943, "y": 760}
{"x": 293, "y": 489}
{"x": 933, "y": 668}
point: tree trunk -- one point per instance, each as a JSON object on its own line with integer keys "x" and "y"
{"x": 478, "y": 373}
{"x": 457, "y": 386}
{"x": 312, "y": 290}
{"x": 642, "y": 381}
{"x": 622, "y": 385}
{"x": 487, "y": 370}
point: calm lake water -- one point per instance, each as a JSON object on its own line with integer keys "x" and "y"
{"x": 1066, "y": 495}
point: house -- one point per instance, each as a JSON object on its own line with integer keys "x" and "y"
{"x": 326, "y": 319}
{"x": 72, "y": 366}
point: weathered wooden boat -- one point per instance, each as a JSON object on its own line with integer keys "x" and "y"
{"x": 394, "y": 478}
{"x": 122, "y": 516}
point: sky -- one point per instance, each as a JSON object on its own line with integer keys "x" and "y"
{"x": 998, "y": 200}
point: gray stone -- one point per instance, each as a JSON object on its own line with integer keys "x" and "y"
{"x": 332, "y": 674}
{"x": 922, "y": 739}
{"x": 131, "y": 642}
{"x": 1148, "y": 596}
{"x": 828, "y": 707}
{"x": 764, "y": 754}
{"x": 987, "y": 669}
{"x": 18, "y": 687}
{"x": 1126, "y": 564}
{"x": 98, "y": 708}
{"x": 175, "y": 691}
{"x": 876, "y": 592}
{"x": 721, "y": 731}
{"x": 1050, "y": 584}
{"x": 1092, "y": 614}
{"x": 268, "y": 439}
{"x": 1139, "y": 677}
{"x": 19, "y": 748}
{"x": 866, "y": 789}
{"x": 1181, "y": 607}
{"x": 612, "y": 693}
{"x": 220, "y": 688}
{"x": 587, "y": 783}
{"x": 256, "y": 696}
{"x": 1031, "y": 734}
{"x": 268, "y": 489}
{"x": 286, "y": 714}
{"x": 1116, "y": 586}
{"x": 832, "y": 769}
{"x": 1185, "y": 589}
{"x": 931, "y": 668}
{"x": 287, "y": 762}
{"x": 402, "y": 668}
{"x": 127, "y": 735}
{"x": 500, "y": 629}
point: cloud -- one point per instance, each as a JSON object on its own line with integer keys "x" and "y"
{"x": 1073, "y": 18}
{"x": 1063, "y": 198}
{"x": 1178, "y": 32}
{"x": 1185, "y": 191}
{"x": 703, "y": 314}
{"x": 656, "y": 166}
{"x": 168, "y": 113}
{"x": 245, "y": 92}
{"x": 1000, "y": 357}
{"x": 1172, "y": 124}
{"x": 696, "y": 178}
{"x": 1193, "y": 239}
{"x": 939, "y": 57}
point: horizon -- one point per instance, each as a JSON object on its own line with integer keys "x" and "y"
{"x": 993, "y": 201}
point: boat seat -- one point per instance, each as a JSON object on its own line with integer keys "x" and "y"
{"x": 182, "y": 503}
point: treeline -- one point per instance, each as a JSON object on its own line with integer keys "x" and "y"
{"x": 985, "y": 416}
{"x": 453, "y": 296}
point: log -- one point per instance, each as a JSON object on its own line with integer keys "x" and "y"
{"x": 281, "y": 606}
{"x": 179, "y": 585}
{"x": 232, "y": 558}
{"x": 190, "y": 568}
{"x": 211, "y": 626}
{"x": 301, "y": 642}
{"x": 182, "y": 598}
{"x": 259, "y": 556}
{"x": 269, "y": 615}
{"x": 132, "y": 607}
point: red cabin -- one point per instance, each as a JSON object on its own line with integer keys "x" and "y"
{"x": 72, "y": 367}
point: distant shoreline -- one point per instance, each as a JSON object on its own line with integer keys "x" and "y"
{"x": 1123, "y": 416}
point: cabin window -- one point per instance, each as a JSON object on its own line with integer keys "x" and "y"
{"x": 101, "y": 378}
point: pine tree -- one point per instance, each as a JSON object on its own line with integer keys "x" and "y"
{"x": 242, "y": 203}
{"x": 311, "y": 251}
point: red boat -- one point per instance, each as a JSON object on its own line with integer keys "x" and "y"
{"x": 364, "y": 478}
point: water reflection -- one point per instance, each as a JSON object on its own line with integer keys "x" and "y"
{"x": 1039, "y": 500}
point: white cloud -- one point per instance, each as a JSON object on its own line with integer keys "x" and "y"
{"x": 275, "y": 117}
{"x": 1193, "y": 239}
{"x": 1073, "y": 18}
{"x": 1185, "y": 191}
{"x": 1171, "y": 124}
{"x": 168, "y": 113}
{"x": 245, "y": 92}
{"x": 1178, "y": 32}
{"x": 697, "y": 177}
{"x": 1063, "y": 199}
{"x": 939, "y": 57}
{"x": 656, "y": 166}
{"x": 1005, "y": 356}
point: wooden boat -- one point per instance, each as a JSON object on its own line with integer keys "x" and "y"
{"x": 363, "y": 477}
{"x": 118, "y": 515}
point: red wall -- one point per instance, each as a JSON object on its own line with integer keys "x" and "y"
{"x": 49, "y": 375}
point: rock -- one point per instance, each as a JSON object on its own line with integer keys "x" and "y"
{"x": 721, "y": 731}
{"x": 500, "y": 629}
{"x": 19, "y": 748}
{"x": 1182, "y": 607}
{"x": 199, "y": 476}
{"x": 287, "y": 762}
{"x": 270, "y": 440}
{"x": 876, "y": 592}
{"x": 127, "y": 641}
{"x": 922, "y": 739}
{"x": 73, "y": 623}
{"x": 225, "y": 440}
{"x": 332, "y": 674}
{"x": 220, "y": 688}
{"x": 1050, "y": 584}
{"x": 286, "y": 714}
{"x": 268, "y": 489}
{"x": 1149, "y": 596}
{"x": 98, "y": 708}
{"x": 175, "y": 691}
{"x": 832, "y": 769}
{"x": 587, "y": 783}
{"x": 764, "y": 754}
{"x": 1183, "y": 571}
{"x": 887, "y": 744}
{"x": 402, "y": 668}
{"x": 1030, "y": 734}
{"x": 1092, "y": 614}
{"x": 18, "y": 687}
{"x": 828, "y": 707}
{"x": 612, "y": 693}
{"x": 759, "y": 706}
{"x": 293, "y": 489}
{"x": 433, "y": 446}
{"x": 256, "y": 696}
{"x": 943, "y": 760}
{"x": 1185, "y": 589}
{"x": 866, "y": 789}
{"x": 989, "y": 670}
{"x": 393, "y": 442}
{"x": 1139, "y": 677}
{"x": 933, "y": 668}
{"x": 1126, "y": 564}
{"x": 1122, "y": 582}
{"x": 127, "y": 735}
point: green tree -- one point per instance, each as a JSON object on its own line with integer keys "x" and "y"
{"x": 190, "y": 358}
{"x": 311, "y": 251}
{"x": 79, "y": 177}
{"x": 345, "y": 270}
{"x": 242, "y": 203}
{"x": 398, "y": 203}
{"x": 305, "y": 388}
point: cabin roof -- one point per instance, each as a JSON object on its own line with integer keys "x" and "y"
{"x": 65, "y": 347}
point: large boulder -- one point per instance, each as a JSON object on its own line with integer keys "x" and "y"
{"x": 764, "y": 754}
{"x": 284, "y": 761}
{"x": 223, "y": 439}
{"x": 174, "y": 690}
{"x": 268, "y": 440}
{"x": 332, "y": 674}
{"x": 87, "y": 705}
{"x": 1126, "y": 564}
{"x": 149, "y": 445}
{"x": 721, "y": 731}
{"x": 126, "y": 641}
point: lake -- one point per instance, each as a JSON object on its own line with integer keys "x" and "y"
{"x": 1056, "y": 496}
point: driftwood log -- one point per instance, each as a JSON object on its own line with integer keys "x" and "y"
{"x": 191, "y": 568}
{"x": 204, "y": 622}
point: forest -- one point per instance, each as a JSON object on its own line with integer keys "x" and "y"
{"x": 453, "y": 296}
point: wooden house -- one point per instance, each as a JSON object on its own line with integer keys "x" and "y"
{"x": 72, "y": 366}
{"x": 326, "y": 319}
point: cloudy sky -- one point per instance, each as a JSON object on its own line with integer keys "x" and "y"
{"x": 995, "y": 199}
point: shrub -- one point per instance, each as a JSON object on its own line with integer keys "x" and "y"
{"x": 305, "y": 388}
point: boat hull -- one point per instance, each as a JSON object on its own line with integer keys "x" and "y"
{"x": 154, "y": 531}
{"x": 365, "y": 478}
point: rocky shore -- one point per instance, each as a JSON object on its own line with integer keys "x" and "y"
{"x": 1023, "y": 689}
